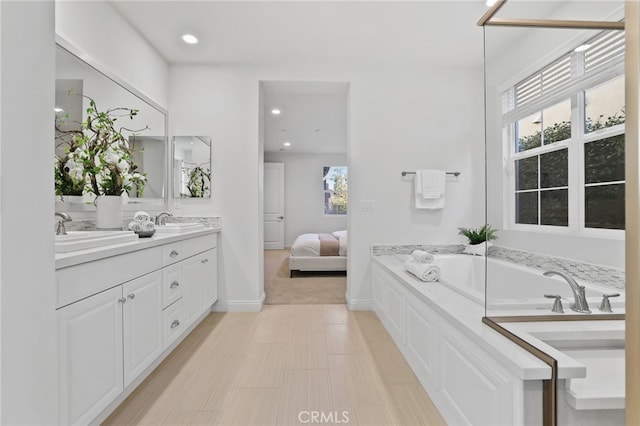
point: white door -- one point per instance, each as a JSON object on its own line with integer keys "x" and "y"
{"x": 192, "y": 277}
{"x": 210, "y": 277}
{"x": 90, "y": 356}
{"x": 273, "y": 205}
{"x": 142, "y": 324}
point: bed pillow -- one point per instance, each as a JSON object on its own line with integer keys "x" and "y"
{"x": 342, "y": 237}
{"x": 339, "y": 234}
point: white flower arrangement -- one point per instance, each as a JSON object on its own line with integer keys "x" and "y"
{"x": 99, "y": 157}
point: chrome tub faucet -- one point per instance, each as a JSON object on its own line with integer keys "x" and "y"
{"x": 580, "y": 301}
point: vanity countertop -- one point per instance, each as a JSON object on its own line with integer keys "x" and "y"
{"x": 64, "y": 260}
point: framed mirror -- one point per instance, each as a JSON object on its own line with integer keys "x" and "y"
{"x": 192, "y": 166}
{"x": 77, "y": 84}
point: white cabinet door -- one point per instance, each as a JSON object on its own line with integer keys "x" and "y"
{"x": 210, "y": 277}
{"x": 192, "y": 277}
{"x": 90, "y": 363}
{"x": 143, "y": 321}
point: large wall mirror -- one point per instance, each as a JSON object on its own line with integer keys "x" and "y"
{"x": 192, "y": 166}
{"x": 76, "y": 83}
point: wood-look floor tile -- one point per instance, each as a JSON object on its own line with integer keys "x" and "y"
{"x": 308, "y": 351}
{"x": 208, "y": 388}
{"x": 264, "y": 365}
{"x": 344, "y": 339}
{"x": 191, "y": 418}
{"x": 250, "y": 407}
{"x": 303, "y": 391}
{"x": 335, "y": 314}
{"x": 412, "y": 406}
{"x": 355, "y": 381}
{"x": 373, "y": 416}
{"x": 328, "y": 360}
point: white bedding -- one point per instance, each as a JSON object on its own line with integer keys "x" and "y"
{"x": 309, "y": 244}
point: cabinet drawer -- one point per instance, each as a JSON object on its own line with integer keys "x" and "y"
{"x": 172, "y": 284}
{"x": 84, "y": 280}
{"x": 172, "y": 253}
{"x": 174, "y": 323}
{"x": 197, "y": 245}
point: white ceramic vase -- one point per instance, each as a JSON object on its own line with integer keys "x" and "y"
{"x": 109, "y": 212}
{"x": 477, "y": 249}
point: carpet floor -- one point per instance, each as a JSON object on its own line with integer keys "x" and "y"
{"x": 305, "y": 288}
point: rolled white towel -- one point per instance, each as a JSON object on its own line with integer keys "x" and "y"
{"x": 141, "y": 217}
{"x": 423, "y": 271}
{"x": 148, "y": 226}
{"x": 135, "y": 226}
{"x": 422, "y": 256}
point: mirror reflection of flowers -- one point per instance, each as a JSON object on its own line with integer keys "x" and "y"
{"x": 198, "y": 184}
{"x": 98, "y": 156}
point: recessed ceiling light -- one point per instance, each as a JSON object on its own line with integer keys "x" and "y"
{"x": 58, "y": 109}
{"x": 189, "y": 38}
{"x": 287, "y": 144}
{"x": 582, "y": 47}
{"x": 275, "y": 111}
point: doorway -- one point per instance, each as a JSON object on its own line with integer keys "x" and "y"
{"x": 304, "y": 133}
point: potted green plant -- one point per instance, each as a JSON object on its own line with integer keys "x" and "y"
{"x": 477, "y": 236}
{"x": 101, "y": 160}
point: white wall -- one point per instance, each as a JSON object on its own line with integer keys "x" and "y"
{"x": 29, "y": 361}
{"x": 304, "y": 195}
{"x": 98, "y": 30}
{"x": 535, "y": 48}
{"x": 400, "y": 119}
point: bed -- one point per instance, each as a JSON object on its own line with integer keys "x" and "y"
{"x": 319, "y": 252}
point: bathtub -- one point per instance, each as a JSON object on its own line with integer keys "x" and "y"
{"x": 514, "y": 287}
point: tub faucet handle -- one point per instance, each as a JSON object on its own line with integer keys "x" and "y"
{"x": 557, "y": 304}
{"x": 605, "y": 306}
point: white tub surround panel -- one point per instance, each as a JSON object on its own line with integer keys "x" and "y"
{"x": 122, "y": 309}
{"x": 473, "y": 374}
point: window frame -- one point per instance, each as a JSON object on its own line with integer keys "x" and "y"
{"x": 330, "y": 192}
{"x": 575, "y": 148}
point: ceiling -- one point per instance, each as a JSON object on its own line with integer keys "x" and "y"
{"x": 302, "y": 32}
{"x": 369, "y": 33}
{"x": 328, "y": 32}
{"x": 312, "y": 119}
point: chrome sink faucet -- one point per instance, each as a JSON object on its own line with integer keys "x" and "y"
{"x": 580, "y": 301}
{"x": 60, "y": 228}
{"x": 161, "y": 218}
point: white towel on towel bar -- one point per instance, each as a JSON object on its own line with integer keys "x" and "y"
{"x": 429, "y": 189}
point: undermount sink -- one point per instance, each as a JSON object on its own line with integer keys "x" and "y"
{"x": 82, "y": 240}
{"x": 180, "y": 227}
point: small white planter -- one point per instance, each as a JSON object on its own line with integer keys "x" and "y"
{"x": 477, "y": 249}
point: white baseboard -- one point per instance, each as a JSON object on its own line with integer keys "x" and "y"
{"x": 239, "y": 305}
{"x": 359, "y": 304}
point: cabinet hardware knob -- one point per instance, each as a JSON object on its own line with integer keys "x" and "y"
{"x": 174, "y": 284}
{"x": 204, "y": 260}
{"x": 173, "y": 253}
{"x": 175, "y": 324}
{"x": 122, "y": 300}
{"x": 131, "y": 296}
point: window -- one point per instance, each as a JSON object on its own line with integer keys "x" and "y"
{"x": 564, "y": 137}
{"x": 334, "y": 182}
